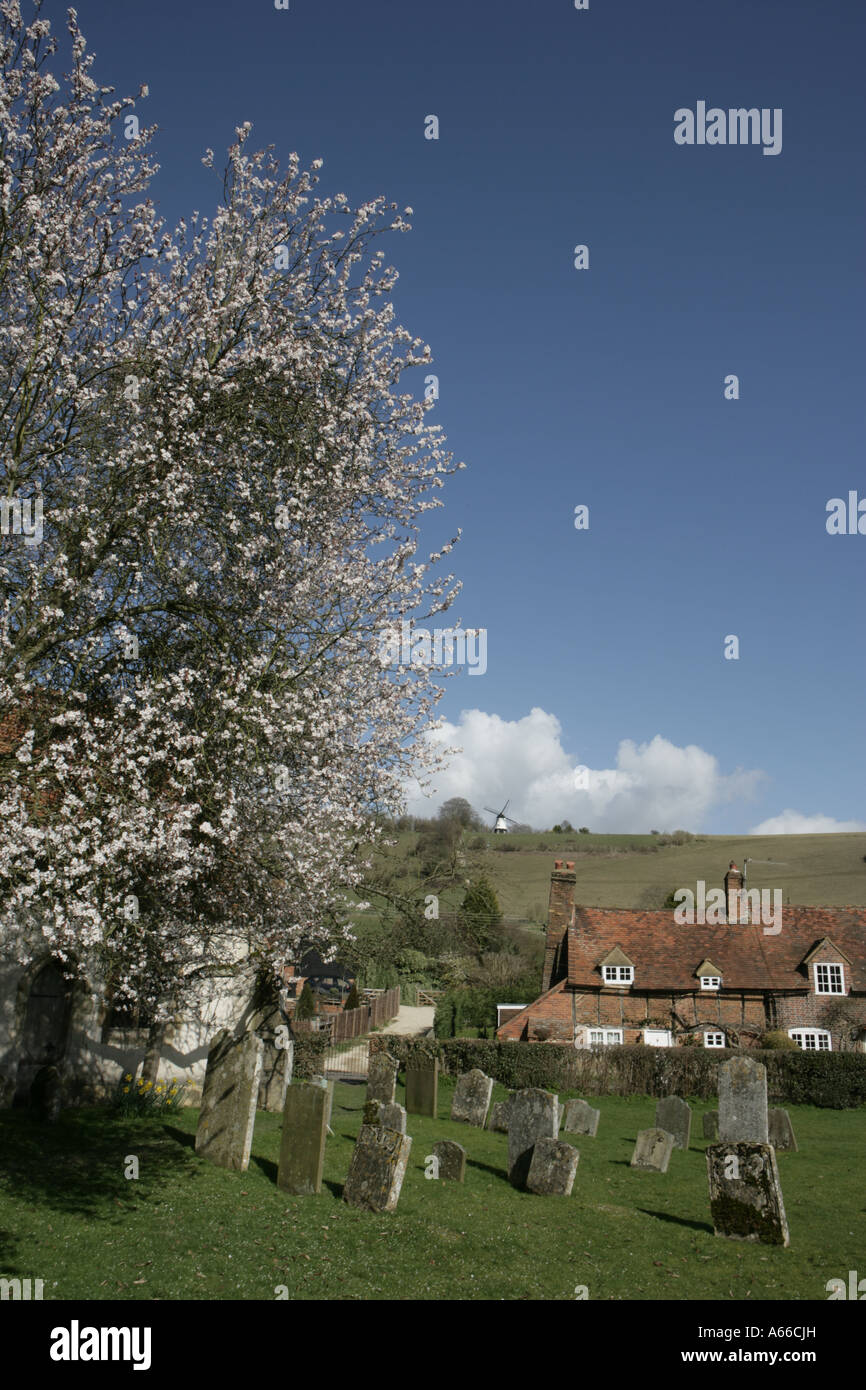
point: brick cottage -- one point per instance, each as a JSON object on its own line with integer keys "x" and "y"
{"x": 616, "y": 975}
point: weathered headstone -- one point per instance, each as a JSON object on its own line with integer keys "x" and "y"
{"x": 675, "y": 1116}
{"x": 228, "y": 1102}
{"x": 781, "y": 1131}
{"x": 46, "y": 1094}
{"x": 653, "y": 1149}
{"x": 381, "y": 1077}
{"x": 743, "y": 1102}
{"x": 497, "y": 1118}
{"x": 711, "y": 1124}
{"x": 472, "y": 1098}
{"x": 377, "y": 1169}
{"x": 393, "y": 1117}
{"x": 580, "y": 1118}
{"x": 452, "y": 1160}
{"x": 277, "y": 1067}
{"x": 328, "y": 1087}
{"x": 533, "y": 1116}
{"x": 422, "y": 1089}
{"x": 553, "y": 1168}
{"x": 745, "y": 1194}
{"x": 302, "y": 1150}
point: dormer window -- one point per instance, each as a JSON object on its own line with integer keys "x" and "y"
{"x": 829, "y": 978}
{"x": 711, "y": 982}
{"x": 618, "y": 974}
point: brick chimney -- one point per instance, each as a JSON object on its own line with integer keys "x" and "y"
{"x": 733, "y": 888}
{"x": 559, "y": 917}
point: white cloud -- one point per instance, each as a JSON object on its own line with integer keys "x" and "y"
{"x": 654, "y": 785}
{"x": 795, "y": 823}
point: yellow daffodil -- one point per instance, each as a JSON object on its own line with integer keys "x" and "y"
{"x": 127, "y": 1078}
{"x": 126, "y": 1090}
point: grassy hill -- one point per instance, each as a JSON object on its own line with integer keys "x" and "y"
{"x": 635, "y": 871}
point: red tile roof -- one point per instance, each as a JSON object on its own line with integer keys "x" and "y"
{"x": 666, "y": 954}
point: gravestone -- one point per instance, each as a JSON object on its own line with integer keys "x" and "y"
{"x": 381, "y": 1077}
{"x": 277, "y": 1067}
{"x": 534, "y": 1115}
{"x": 581, "y": 1118}
{"x": 228, "y": 1102}
{"x": 781, "y": 1131}
{"x": 377, "y": 1169}
{"x": 472, "y": 1098}
{"x": 422, "y": 1089}
{"x": 675, "y": 1116}
{"x": 393, "y": 1117}
{"x": 711, "y": 1124}
{"x": 452, "y": 1160}
{"x": 553, "y": 1168}
{"x": 497, "y": 1119}
{"x": 46, "y": 1094}
{"x": 302, "y": 1149}
{"x": 745, "y": 1195}
{"x": 328, "y": 1087}
{"x": 743, "y": 1102}
{"x": 653, "y": 1149}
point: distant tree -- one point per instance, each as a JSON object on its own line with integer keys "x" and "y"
{"x": 584, "y": 830}
{"x": 482, "y": 915}
{"x": 306, "y": 1005}
{"x": 566, "y": 827}
{"x": 557, "y": 830}
{"x": 655, "y": 832}
{"x": 353, "y": 999}
{"x": 458, "y": 809}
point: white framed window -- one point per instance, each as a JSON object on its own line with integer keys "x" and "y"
{"x": 711, "y": 982}
{"x": 714, "y": 1039}
{"x": 811, "y": 1039}
{"x": 658, "y": 1037}
{"x": 618, "y": 974}
{"x": 605, "y": 1036}
{"x": 829, "y": 979}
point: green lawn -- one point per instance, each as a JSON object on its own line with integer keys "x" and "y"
{"x": 188, "y": 1230}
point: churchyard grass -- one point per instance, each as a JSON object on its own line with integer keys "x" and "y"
{"x": 186, "y": 1229}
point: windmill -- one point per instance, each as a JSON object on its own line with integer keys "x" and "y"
{"x": 501, "y": 821}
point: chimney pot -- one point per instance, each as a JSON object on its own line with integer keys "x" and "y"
{"x": 569, "y": 863}
{"x": 557, "y": 863}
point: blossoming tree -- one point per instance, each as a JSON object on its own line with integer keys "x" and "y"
{"x": 197, "y": 720}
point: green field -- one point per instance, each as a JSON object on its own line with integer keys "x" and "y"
{"x": 188, "y": 1230}
{"x": 627, "y": 871}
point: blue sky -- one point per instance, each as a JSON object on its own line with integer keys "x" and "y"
{"x": 603, "y": 386}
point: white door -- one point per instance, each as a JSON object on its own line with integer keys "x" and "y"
{"x": 657, "y": 1037}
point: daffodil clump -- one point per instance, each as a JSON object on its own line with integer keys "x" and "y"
{"x": 141, "y": 1098}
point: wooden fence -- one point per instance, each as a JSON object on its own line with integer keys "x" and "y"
{"x": 354, "y": 1023}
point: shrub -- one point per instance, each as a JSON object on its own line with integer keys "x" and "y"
{"x": 309, "y": 1053}
{"x": 584, "y": 830}
{"x": 778, "y": 1041}
{"x": 306, "y": 1005}
{"x": 832, "y": 1080}
{"x": 353, "y": 998}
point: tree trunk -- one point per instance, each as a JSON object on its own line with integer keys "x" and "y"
{"x": 153, "y": 1052}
